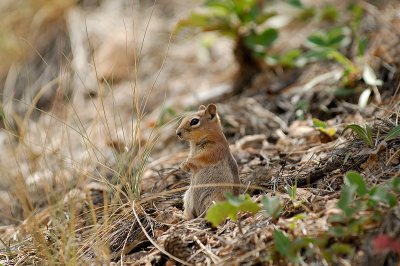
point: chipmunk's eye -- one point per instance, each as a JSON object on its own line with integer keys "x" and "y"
{"x": 194, "y": 121}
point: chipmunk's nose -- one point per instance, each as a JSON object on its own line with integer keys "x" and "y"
{"x": 179, "y": 132}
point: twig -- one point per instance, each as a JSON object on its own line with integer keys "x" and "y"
{"x": 214, "y": 257}
{"x": 153, "y": 242}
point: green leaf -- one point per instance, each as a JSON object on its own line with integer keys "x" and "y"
{"x": 264, "y": 39}
{"x": 272, "y": 205}
{"x": 283, "y": 245}
{"x": 393, "y": 133}
{"x": 318, "y": 123}
{"x": 395, "y": 184}
{"x": 207, "y": 19}
{"x": 347, "y": 64}
{"x": 355, "y": 179}
{"x": 344, "y": 92}
{"x": 307, "y": 13}
{"x": 235, "y": 200}
{"x": 337, "y": 218}
{"x": 328, "y": 131}
{"x": 338, "y": 231}
{"x": 292, "y": 191}
{"x": 290, "y": 59}
{"x": 362, "y": 133}
{"x": 341, "y": 248}
{"x": 244, "y": 4}
{"x": 381, "y": 194}
{"x": 318, "y": 39}
{"x": 301, "y": 243}
{"x": 329, "y": 13}
{"x": 346, "y": 198}
{"x": 260, "y": 19}
{"x": 249, "y": 206}
{"x": 362, "y": 44}
{"x": 295, "y": 3}
{"x": 314, "y": 55}
{"x": 218, "y": 212}
{"x": 336, "y": 37}
{"x": 357, "y": 11}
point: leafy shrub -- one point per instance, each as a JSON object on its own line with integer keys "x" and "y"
{"x": 366, "y": 133}
{"x": 241, "y": 21}
{"x": 356, "y": 198}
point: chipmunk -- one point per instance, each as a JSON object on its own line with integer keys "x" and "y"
{"x": 210, "y": 161}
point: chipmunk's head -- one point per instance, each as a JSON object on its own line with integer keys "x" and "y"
{"x": 200, "y": 124}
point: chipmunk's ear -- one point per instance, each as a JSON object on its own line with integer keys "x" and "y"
{"x": 212, "y": 110}
{"x": 202, "y": 107}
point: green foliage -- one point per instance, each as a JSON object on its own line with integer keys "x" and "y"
{"x": 355, "y": 179}
{"x": 323, "y": 128}
{"x": 217, "y": 213}
{"x": 329, "y": 13}
{"x": 284, "y": 246}
{"x": 2, "y": 115}
{"x": 234, "y": 19}
{"x": 318, "y": 123}
{"x": 341, "y": 248}
{"x": 335, "y": 38}
{"x": 290, "y": 59}
{"x": 364, "y": 133}
{"x": 393, "y": 133}
{"x": 307, "y": 13}
{"x": 295, "y": 3}
{"x": 292, "y": 192}
{"x": 272, "y": 206}
{"x": 356, "y": 195}
{"x": 258, "y": 42}
{"x": 325, "y": 45}
{"x": 302, "y": 107}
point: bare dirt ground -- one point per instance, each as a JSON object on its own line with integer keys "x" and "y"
{"x": 89, "y": 166}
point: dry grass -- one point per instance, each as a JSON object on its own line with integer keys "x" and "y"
{"x": 88, "y": 169}
{"x": 68, "y": 189}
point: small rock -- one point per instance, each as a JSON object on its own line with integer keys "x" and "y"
{"x": 251, "y": 141}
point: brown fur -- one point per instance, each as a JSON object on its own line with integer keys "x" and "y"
{"x": 210, "y": 161}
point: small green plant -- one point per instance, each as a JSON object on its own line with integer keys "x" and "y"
{"x": 326, "y": 45}
{"x": 290, "y": 59}
{"x": 357, "y": 197}
{"x": 242, "y": 21}
{"x": 364, "y": 133}
{"x": 272, "y": 206}
{"x": 285, "y": 246}
{"x": 393, "y": 133}
{"x": 217, "y": 213}
{"x": 292, "y": 192}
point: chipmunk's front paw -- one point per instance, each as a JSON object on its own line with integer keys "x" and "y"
{"x": 185, "y": 166}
